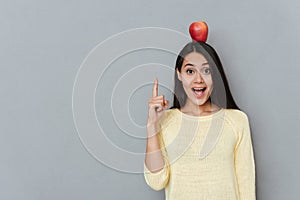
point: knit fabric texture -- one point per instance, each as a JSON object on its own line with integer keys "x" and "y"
{"x": 206, "y": 157}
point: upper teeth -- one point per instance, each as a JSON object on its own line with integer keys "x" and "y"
{"x": 198, "y": 88}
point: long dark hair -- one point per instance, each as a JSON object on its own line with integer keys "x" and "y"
{"x": 220, "y": 95}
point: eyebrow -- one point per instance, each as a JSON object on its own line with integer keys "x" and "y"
{"x": 190, "y": 64}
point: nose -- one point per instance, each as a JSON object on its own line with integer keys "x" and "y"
{"x": 198, "y": 78}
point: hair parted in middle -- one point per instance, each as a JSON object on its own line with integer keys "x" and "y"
{"x": 221, "y": 94}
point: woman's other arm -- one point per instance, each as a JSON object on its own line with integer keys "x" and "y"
{"x": 244, "y": 161}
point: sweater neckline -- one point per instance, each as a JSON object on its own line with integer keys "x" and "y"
{"x": 219, "y": 112}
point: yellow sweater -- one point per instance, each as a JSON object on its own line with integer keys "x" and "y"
{"x": 206, "y": 157}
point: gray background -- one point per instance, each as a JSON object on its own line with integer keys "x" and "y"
{"x": 43, "y": 44}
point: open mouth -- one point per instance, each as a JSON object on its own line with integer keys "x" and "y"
{"x": 198, "y": 91}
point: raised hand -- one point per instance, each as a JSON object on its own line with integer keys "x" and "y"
{"x": 156, "y": 105}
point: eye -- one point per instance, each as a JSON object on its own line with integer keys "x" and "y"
{"x": 206, "y": 71}
{"x": 189, "y": 71}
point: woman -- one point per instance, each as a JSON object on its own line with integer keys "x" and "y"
{"x": 201, "y": 147}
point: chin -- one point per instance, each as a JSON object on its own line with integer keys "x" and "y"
{"x": 201, "y": 102}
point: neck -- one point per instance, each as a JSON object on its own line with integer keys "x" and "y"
{"x": 199, "y": 110}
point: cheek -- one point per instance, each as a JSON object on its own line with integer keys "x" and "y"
{"x": 186, "y": 81}
{"x": 208, "y": 81}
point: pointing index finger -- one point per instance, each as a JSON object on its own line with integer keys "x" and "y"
{"x": 155, "y": 88}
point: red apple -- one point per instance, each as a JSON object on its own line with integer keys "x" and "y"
{"x": 199, "y": 31}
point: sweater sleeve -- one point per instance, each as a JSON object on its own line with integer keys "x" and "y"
{"x": 244, "y": 162}
{"x": 158, "y": 180}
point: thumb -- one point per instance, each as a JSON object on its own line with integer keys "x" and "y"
{"x": 166, "y": 103}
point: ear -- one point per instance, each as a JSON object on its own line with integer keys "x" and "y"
{"x": 178, "y": 74}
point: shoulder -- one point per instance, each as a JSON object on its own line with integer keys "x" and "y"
{"x": 235, "y": 113}
{"x": 169, "y": 114}
{"x": 237, "y": 117}
{"x": 168, "y": 117}
{"x": 239, "y": 122}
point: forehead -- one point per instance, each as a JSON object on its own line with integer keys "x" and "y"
{"x": 195, "y": 58}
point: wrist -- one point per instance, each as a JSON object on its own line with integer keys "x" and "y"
{"x": 152, "y": 129}
{"x": 151, "y": 123}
